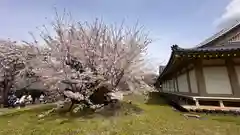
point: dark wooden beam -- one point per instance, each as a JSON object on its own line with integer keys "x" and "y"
{"x": 201, "y": 85}
{"x": 176, "y": 78}
{"x": 233, "y": 78}
{"x": 188, "y": 81}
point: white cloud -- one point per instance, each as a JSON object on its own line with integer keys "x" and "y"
{"x": 231, "y": 14}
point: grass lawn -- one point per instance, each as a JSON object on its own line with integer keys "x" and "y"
{"x": 158, "y": 119}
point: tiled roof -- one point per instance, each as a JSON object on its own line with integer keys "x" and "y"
{"x": 225, "y": 47}
{"x": 217, "y": 35}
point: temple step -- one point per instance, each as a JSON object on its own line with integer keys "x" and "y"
{"x": 212, "y": 109}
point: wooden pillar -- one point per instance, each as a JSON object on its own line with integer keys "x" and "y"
{"x": 197, "y": 103}
{"x": 189, "y": 82}
{"x": 201, "y": 85}
{"x": 177, "y": 84}
{"x": 233, "y": 78}
{"x": 221, "y": 103}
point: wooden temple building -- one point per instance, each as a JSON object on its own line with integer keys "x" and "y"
{"x": 206, "y": 75}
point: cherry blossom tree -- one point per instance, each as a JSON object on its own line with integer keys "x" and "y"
{"x": 89, "y": 59}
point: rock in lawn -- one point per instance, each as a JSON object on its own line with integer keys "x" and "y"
{"x": 40, "y": 116}
{"x": 191, "y": 116}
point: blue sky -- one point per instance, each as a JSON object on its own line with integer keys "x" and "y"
{"x": 182, "y": 22}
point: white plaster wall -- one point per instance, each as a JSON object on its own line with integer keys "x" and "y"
{"x": 182, "y": 83}
{"x": 193, "y": 81}
{"x": 168, "y": 85}
{"x": 217, "y": 80}
{"x": 237, "y": 69}
{"x": 171, "y": 85}
{"x": 164, "y": 86}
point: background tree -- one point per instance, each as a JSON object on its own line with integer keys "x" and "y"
{"x": 15, "y": 65}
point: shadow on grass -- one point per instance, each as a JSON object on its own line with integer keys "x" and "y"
{"x": 155, "y": 98}
{"x": 35, "y": 110}
{"x": 231, "y": 119}
{"x": 123, "y": 109}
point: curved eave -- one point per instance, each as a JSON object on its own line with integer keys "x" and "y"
{"x": 173, "y": 58}
{"x": 180, "y": 54}
{"x": 169, "y": 64}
